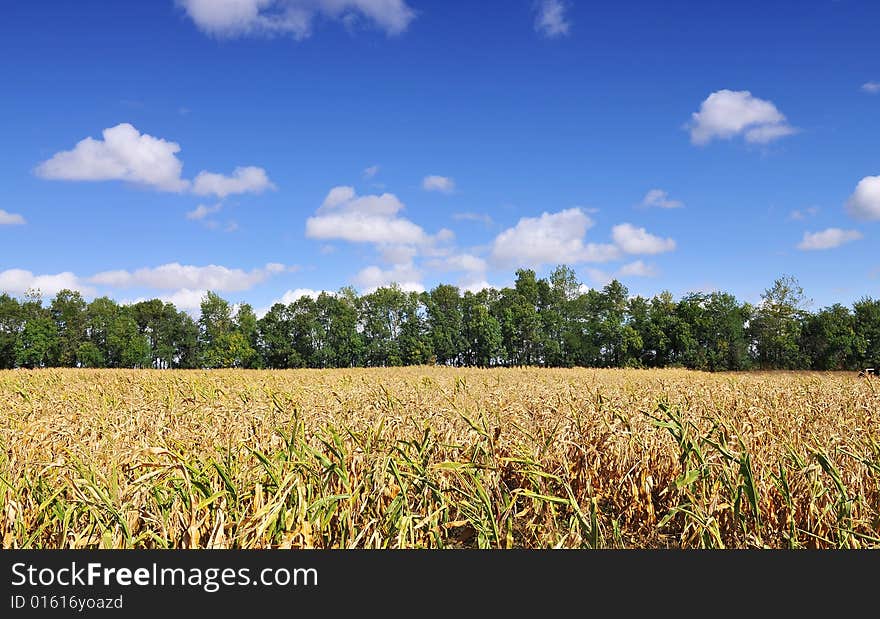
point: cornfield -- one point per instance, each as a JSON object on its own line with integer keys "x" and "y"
{"x": 429, "y": 457}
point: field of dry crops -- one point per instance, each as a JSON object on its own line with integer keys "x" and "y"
{"x": 438, "y": 458}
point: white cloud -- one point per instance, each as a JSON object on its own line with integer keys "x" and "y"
{"x": 177, "y": 276}
{"x": 398, "y": 254}
{"x": 598, "y": 276}
{"x": 19, "y": 281}
{"x": 634, "y": 240}
{"x": 362, "y": 228}
{"x": 552, "y": 238}
{"x": 443, "y": 184}
{"x": 340, "y": 195}
{"x": 474, "y": 285}
{"x": 660, "y": 199}
{"x": 124, "y": 154}
{"x": 248, "y": 179}
{"x": 865, "y": 201}
{"x": 234, "y": 18}
{"x": 638, "y": 269}
{"x": 11, "y": 219}
{"x": 202, "y": 211}
{"x": 185, "y": 299}
{"x": 472, "y": 266}
{"x": 728, "y": 113}
{"x": 407, "y": 276}
{"x": 871, "y": 87}
{"x": 480, "y": 217}
{"x": 800, "y": 215}
{"x": 551, "y": 20}
{"x": 370, "y": 172}
{"x": 292, "y": 296}
{"x": 363, "y": 219}
{"x": 828, "y": 239}
{"x": 444, "y": 235}
{"x": 462, "y": 262}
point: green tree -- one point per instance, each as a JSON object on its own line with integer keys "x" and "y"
{"x": 101, "y": 313}
{"x": 776, "y": 327}
{"x": 127, "y": 346}
{"x": 382, "y": 315}
{"x": 443, "y": 306}
{"x": 215, "y": 332}
{"x": 619, "y": 343}
{"x": 148, "y": 315}
{"x": 555, "y": 300}
{"x": 246, "y": 326}
{"x": 414, "y": 342}
{"x": 343, "y": 345}
{"x": 866, "y": 313}
{"x": 275, "y": 339}
{"x": 639, "y": 320}
{"x": 90, "y": 356}
{"x": 526, "y": 321}
{"x": 481, "y": 331}
{"x": 726, "y": 339}
{"x": 37, "y": 342}
{"x": 829, "y": 339}
{"x": 11, "y": 324}
{"x": 68, "y": 310}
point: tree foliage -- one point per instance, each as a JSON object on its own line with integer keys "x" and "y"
{"x": 553, "y": 321}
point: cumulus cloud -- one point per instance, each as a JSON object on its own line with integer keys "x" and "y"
{"x": 660, "y": 199}
{"x": 123, "y": 154}
{"x": 871, "y": 87}
{"x": 443, "y": 184}
{"x": 828, "y": 239}
{"x": 729, "y": 113}
{"x": 634, "y": 240}
{"x": 363, "y": 219}
{"x": 407, "y": 276}
{"x": 552, "y": 238}
{"x": 248, "y": 179}
{"x": 398, "y": 254}
{"x": 175, "y": 276}
{"x": 637, "y": 269}
{"x": 202, "y": 211}
{"x": 11, "y": 219}
{"x": 461, "y": 262}
{"x": 126, "y": 154}
{"x": 19, "y": 281}
{"x": 865, "y": 201}
{"x": 185, "y": 299}
{"x": 473, "y": 268}
{"x": 237, "y": 18}
{"x": 551, "y": 20}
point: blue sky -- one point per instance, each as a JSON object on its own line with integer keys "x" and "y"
{"x": 677, "y": 145}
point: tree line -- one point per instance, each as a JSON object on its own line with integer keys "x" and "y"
{"x": 549, "y": 321}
